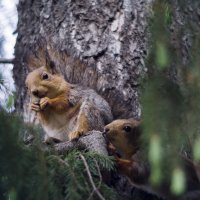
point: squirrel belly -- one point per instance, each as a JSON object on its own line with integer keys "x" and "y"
{"x": 65, "y": 111}
{"x": 57, "y": 126}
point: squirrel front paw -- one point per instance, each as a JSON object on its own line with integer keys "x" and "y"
{"x": 75, "y": 135}
{"x": 112, "y": 150}
{"x": 44, "y": 102}
{"x": 35, "y": 107}
{"x": 123, "y": 162}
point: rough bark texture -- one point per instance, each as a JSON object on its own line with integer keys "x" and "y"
{"x": 185, "y": 30}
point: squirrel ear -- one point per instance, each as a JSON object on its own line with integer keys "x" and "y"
{"x": 50, "y": 65}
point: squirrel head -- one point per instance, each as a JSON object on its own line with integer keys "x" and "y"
{"x": 45, "y": 82}
{"x": 124, "y": 134}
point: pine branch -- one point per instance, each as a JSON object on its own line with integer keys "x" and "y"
{"x": 6, "y": 60}
{"x": 90, "y": 178}
{"x": 67, "y": 165}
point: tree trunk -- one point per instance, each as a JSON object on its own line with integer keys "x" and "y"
{"x": 108, "y": 36}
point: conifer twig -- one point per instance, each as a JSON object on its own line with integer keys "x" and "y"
{"x": 100, "y": 176}
{"x": 99, "y": 172}
{"x": 67, "y": 165}
{"x": 6, "y": 61}
{"x": 90, "y": 178}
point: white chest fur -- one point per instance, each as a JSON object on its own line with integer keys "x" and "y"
{"x": 59, "y": 126}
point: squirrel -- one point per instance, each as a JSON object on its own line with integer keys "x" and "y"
{"x": 124, "y": 138}
{"x": 65, "y": 111}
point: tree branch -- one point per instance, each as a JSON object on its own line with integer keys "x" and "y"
{"x": 100, "y": 181}
{"x": 93, "y": 141}
{"x": 6, "y": 60}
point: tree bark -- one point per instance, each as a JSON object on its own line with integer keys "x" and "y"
{"x": 109, "y": 37}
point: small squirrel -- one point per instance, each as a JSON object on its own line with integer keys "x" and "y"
{"x": 124, "y": 137}
{"x": 64, "y": 110}
{"x": 124, "y": 142}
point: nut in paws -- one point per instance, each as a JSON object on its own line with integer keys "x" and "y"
{"x": 44, "y": 102}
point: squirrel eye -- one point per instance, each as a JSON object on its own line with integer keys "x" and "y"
{"x": 127, "y": 128}
{"x": 45, "y": 76}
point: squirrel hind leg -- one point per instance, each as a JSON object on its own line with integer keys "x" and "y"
{"x": 89, "y": 118}
{"x": 95, "y": 118}
{"x": 82, "y": 127}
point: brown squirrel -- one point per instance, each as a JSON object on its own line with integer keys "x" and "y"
{"x": 65, "y": 111}
{"x": 124, "y": 137}
{"x": 124, "y": 142}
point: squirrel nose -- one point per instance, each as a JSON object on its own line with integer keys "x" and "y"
{"x": 35, "y": 92}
